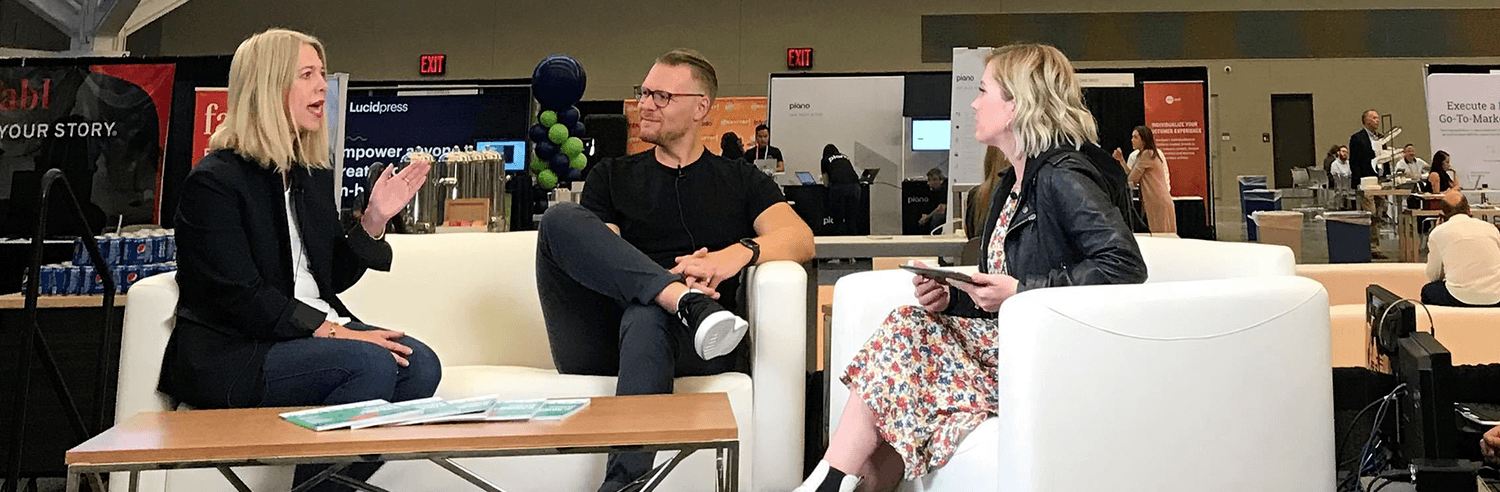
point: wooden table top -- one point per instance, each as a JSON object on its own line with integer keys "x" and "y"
{"x": 17, "y": 301}
{"x": 259, "y": 433}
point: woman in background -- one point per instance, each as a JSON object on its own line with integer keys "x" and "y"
{"x": 1148, "y": 169}
{"x": 1442, "y": 176}
{"x": 730, "y": 147}
{"x": 978, "y": 208}
{"x": 262, "y": 255}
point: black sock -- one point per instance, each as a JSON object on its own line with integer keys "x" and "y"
{"x": 832, "y": 480}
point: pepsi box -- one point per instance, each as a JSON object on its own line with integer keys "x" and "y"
{"x": 51, "y": 281}
{"x": 128, "y": 275}
{"x": 134, "y": 251}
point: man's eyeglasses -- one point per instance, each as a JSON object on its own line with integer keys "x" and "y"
{"x": 662, "y": 98}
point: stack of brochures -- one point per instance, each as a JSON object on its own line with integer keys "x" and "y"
{"x": 434, "y": 410}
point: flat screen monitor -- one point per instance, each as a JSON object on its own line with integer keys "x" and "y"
{"x": 930, "y": 135}
{"x": 513, "y": 150}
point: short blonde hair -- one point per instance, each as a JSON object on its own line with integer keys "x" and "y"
{"x": 257, "y": 123}
{"x": 703, "y": 71}
{"x": 1049, "y": 100}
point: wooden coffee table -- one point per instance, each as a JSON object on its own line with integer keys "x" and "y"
{"x": 220, "y": 439}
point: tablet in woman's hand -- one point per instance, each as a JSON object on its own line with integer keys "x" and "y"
{"x": 938, "y": 273}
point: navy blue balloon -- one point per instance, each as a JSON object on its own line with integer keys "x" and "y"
{"x": 546, "y": 150}
{"x": 560, "y": 164}
{"x": 539, "y": 134}
{"x": 558, "y": 82}
{"x": 577, "y": 130}
{"x": 568, "y": 116}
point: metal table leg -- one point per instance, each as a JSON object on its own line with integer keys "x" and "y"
{"x": 72, "y": 483}
{"x": 135, "y": 481}
{"x": 233, "y": 479}
{"x": 464, "y": 473}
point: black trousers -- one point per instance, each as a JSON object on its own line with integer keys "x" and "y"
{"x": 598, "y": 301}
{"x": 843, "y": 208}
{"x": 1436, "y": 293}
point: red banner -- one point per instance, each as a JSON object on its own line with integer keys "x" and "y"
{"x": 1175, "y": 114}
{"x": 157, "y": 81}
{"x": 208, "y": 114}
{"x": 729, "y": 114}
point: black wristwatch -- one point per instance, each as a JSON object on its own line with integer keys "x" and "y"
{"x": 754, "y": 250}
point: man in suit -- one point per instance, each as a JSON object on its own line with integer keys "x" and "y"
{"x": 1364, "y": 145}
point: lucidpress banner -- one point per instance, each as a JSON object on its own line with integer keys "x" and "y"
{"x": 105, "y": 126}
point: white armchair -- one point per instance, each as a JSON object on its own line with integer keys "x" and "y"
{"x": 1204, "y": 378}
{"x": 472, "y": 298}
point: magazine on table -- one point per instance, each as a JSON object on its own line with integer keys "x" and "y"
{"x": 434, "y": 410}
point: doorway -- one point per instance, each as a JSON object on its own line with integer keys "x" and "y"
{"x": 1292, "y": 135}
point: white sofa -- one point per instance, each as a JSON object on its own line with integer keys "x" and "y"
{"x": 472, "y": 297}
{"x": 1204, "y": 378}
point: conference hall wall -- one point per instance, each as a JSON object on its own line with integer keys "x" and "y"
{"x": 747, "y": 40}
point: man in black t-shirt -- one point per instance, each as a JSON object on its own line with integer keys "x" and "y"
{"x": 763, "y": 148}
{"x": 843, "y": 190}
{"x": 635, "y": 280}
{"x": 937, "y": 186}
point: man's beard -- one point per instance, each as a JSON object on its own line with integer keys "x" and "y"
{"x": 664, "y": 138}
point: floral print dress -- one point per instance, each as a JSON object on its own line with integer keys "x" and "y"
{"x": 930, "y": 377}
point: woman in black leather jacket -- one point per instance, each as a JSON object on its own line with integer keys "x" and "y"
{"x": 927, "y": 376}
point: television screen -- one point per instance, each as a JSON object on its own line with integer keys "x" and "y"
{"x": 513, "y": 150}
{"x": 930, "y": 134}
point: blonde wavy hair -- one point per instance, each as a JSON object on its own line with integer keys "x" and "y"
{"x": 1049, "y": 100}
{"x": 257, "y": 124}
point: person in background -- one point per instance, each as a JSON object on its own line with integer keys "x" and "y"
{"x": 1333, "y": 153}
{"x": 763, "y": 148}
{"x": 1338, "y": 169}
{"x": 937, "y": 188}
{"x": 843, "y": 190}
{"x": 1463, "y": 258}
{"x": 977, "y": 211}
{"x": 1364, "y": 146}
{"x": 1442, "y": 178}
{"x": 1413, "y": 166}
{"x": 638, "y": 279}
{"x": 730, "y": 147}
{"x": 1149, "y": 171}
{"x": 262, "y": 257}
{"x": 927, "y": 377}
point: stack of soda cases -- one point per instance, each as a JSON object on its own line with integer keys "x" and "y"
{"x": 132, "y": 256}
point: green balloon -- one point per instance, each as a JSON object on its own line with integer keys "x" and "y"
{"x": 572, "y": 146}
{"x": 547, "y": 179}
{"x": 558, "y": 134}
{"x": 548, "y": 118}
{"x": 538, "y": 164}
{"x": 578, "y": 161}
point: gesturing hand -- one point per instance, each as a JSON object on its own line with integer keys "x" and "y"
{"x": 989, "y": 290}
{"x": 392, "y": 192}
{"x": 704, "y": 270}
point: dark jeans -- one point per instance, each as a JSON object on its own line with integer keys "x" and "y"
{"x": 598, "y": 300}
{"x": 1436, "y": 293}
{"x": 843, "y": 207}
{"x": 327, "y": 371}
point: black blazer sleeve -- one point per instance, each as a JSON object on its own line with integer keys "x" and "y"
{"x": 214, "y": 249}
{"x": 1086, "y": 215}
{"x": 356, "y": 252}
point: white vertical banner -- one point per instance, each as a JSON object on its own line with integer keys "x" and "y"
{"x": 859, "y": 115}
{"x": 338, "y": 92}
{"x": 1463, "y": 117}
{"x": 965, "y": 155}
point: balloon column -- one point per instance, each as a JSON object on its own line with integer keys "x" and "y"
{"x": 557, "y": 145}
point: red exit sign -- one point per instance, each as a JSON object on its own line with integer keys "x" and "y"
{"x": 432, "y": 64}
{"x": 799, "y": 58}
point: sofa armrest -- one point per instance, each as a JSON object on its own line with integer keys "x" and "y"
{"x": 777, "y": 301}
{"x": 150, "y": 314}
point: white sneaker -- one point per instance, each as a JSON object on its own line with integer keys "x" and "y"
{"x": 716, "y": 331}
{"x": 820, "y": 473}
